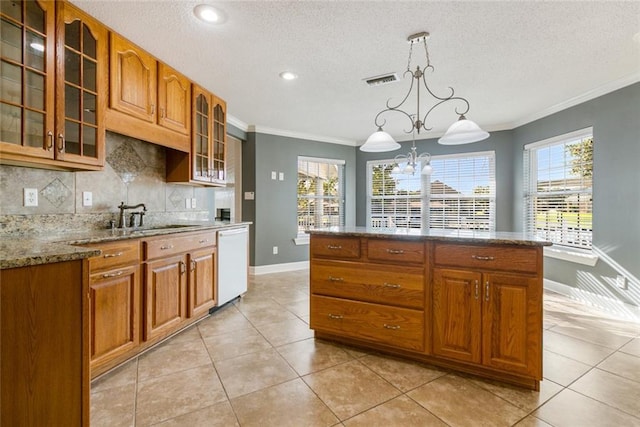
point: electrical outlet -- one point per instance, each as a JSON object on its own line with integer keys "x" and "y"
{"x": 87, "y": 198}
{"x": 31, "y": 197}
{"x": 273, "y": 175}
{"x": 621, "y": 281}
{"x": 187, "y": 203}
{"x": 275, "y": 250}
{"x": 281, "y": 176}
{"x": 193, "y": 203}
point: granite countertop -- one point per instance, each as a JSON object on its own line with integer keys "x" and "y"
{"x": 457, "y": 236}
{"x": 21, "y": 250}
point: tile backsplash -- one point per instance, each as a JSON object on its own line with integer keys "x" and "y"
{"x": 134, "y": 173}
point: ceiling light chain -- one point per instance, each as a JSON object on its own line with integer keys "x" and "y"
{"x": 462, "y": 131}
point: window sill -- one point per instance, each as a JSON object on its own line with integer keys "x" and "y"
{"x": 571, "y": 255}
{"x": 302, "y": 239}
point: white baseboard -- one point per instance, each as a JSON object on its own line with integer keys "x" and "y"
{"x": 614, "y": 306}
{"x": 278, "y": 268}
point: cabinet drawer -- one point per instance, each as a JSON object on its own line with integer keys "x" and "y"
{"x": 175, "y": 244}
{"x": 335, "y": 247}
{"x": 398, "y": 327}
{"x": 508, "y": 258}
{"x": 115, "y": 254}
{"x": 395, "y": 251}
{"x": 369, "y": 282}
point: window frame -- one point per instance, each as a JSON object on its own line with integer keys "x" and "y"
{"x": 530, "y": 191}
{"x": 302, "y": 237}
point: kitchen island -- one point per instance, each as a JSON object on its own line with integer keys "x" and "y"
{"x": 460, "y": 299}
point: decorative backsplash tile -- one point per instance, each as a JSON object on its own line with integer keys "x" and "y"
{"x": 60, "y": 201}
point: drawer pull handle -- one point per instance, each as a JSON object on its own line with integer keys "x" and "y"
{"x": 336, "y": 279}
{"x": 392, "y": 327}
{"x": 106, "y": 275}
{"x": 113, "y": 255}
{"x": 482, "y": 258}
{"x": 203, "y": 241}
{"x": 392, "y": 285}
{"x": 335, "y": 316}
{"x": 334, "y": 247}
{"x": 486, "y": 291}
{"x": 164, "y": 248}
{"x": 395, "y": 251}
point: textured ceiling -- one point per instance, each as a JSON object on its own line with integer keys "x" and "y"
{"x": 514, "y": 61}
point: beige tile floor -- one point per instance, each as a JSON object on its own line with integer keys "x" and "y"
{"x": 255, "y": 363}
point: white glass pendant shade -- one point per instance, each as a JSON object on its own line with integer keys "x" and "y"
{"x": 427, "y": 169}
{"x": 409, "y": 169}
{"x": 379, "y": 142}
{"x": 463, "y": 131}
{"x": 395, "y": 170}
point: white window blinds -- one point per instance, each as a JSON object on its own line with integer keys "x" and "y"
{"x": 320, "y": 193}
{"x": 558, "y": 188}
{"x": 460, "y": 194}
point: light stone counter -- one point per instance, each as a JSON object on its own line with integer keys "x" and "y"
{"x": 33, "y": 249}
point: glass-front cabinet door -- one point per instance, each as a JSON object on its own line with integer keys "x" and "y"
{"x": 27, "y": 78}
{"x": 81, "y": 87}
{"x": 200, "y": 149}
{"x": 218, "y": 174}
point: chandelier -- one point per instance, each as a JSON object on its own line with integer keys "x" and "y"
{"x": 463, "y": 131}
{"x": 412, "y": 160}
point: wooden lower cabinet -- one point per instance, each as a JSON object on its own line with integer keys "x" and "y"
{"x": 165, "y": 295}
{"x": 115, "y": 313}
{"x": 417, "y": 299}
{"x": 202, "y": 284}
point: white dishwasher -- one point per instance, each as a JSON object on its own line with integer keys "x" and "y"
{"x": 233, "y": 263}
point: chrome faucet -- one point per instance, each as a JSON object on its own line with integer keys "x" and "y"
{"x": 132, "y": 223}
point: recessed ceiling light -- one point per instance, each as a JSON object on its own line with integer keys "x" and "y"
{"x": 288, "y": 75}
{"x": 209, "y": 14}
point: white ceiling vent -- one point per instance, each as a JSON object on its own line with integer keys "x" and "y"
{"x": 382, "y": 80}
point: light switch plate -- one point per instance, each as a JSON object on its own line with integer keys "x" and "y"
{"x": 31, "y": 197}
{"x": 187, "y": 203}
{"x": 281, "y": 176}
{"x": 273, "y": 175}
{"x": 193, "y": 203}
{"x": 87, "y": 198}
{"x": 249, "y": 195}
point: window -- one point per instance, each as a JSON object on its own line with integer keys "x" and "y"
{"x": 558, "y": 188}
{"x": 460, "y": 194}
{"x": 320, "y": 193}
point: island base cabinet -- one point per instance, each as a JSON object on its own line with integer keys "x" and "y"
{"x": 394, "y": 326}
{"x": 165, "y": 291}
{"x": 44, "y": 346}
{"x": 115, "y": 313}
{"x": 492, "y": 319}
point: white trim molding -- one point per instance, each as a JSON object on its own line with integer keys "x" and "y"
{"x": 577, "y": 256}
{"x": 278, "y": 268}
{"x": 301, "y": 239}
{"x": 616, "y": 307}
{"x": 301, "y": 135}
{"x": 236, "y": 122}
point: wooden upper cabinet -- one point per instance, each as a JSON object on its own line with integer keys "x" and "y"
{"x": 133, "y": 80}
{"x": 81, "y": 76}
{"x": 218, "y": 171}
{"x": 174, "y": 100}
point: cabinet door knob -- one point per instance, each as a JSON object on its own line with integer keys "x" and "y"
{"x": 486, "y": 291}
{"x": 335, "y": 316}
{"x": 392, "y": 327}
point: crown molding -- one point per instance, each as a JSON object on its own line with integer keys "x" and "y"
{"x": 301, "y": 135}
{"x": 236, "y": 122}
{"x": 572, "y": 102}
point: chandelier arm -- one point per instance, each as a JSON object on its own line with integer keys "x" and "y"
{"x": 450, "y": 97}
{"x": 398, "y": 111}
{"x": 389, "y": 107}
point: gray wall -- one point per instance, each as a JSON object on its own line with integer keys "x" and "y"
{"x": 499, "y": 142}
{"x": 274, "y": 210}
{"x": 615, "y": 118}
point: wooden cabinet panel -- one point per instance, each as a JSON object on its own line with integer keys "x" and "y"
{"x": 115, "y": 254}
{"x": 202, "y": 281}
{"x": 487, "y": 257}
{"x": 174, "y": 100}
{"x": 512, "y": 323}
{"x": 335, "y": 247}
{"x": 396, "y": 251}
{"x": 369, "y": 282}
{"x": 133, "y": 80}
{"x": 115, "y": 309}
{"x": 457, "y": 315}
{"x": 398, "y": 327}
{"x": 165, "y": 293}
{"x": 171, "y": 244}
